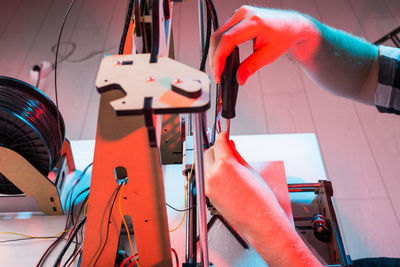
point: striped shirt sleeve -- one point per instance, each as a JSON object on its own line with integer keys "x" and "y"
{"x": 387, "y": 95}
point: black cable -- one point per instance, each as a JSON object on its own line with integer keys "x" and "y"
{"x": 29, "y": 238}
{"x": 211, "y": 15}
{"x": 74, "y": 202}
{"x": 52, "y": 246}
{"x": 39, "y": 70}
{"x": 70, "y": 212}
{"x": 208, "y": 37}
{"x": 202, "y": 68}
{"x": 116, "y": 191}
{"x": 217, "y": 93}
{"x": 155, "y": 46}
{"x": 38, "y": 81}
{"x": 179, "y": 209}
{"x": 58, "y": 47}
{"x": 204, "y": 131}
{"x": 49, "y": 249}
{"x": 214, "y": 130}
{"x": 214, "y": 15}
{"x": 69, "y": 53}
{"x": 71, "y": 191}
{"x": 65, "y": 248}
{"x": 77, "y": 243}
{"x": 126, "y": 27}
{"x": 73, "y": 252}
{"x": 66, "y": 55}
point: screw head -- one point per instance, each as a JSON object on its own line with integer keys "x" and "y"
{"x": 177, "y": 80}
{"x": 150, "y": 79}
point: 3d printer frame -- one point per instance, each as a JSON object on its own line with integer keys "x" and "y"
{"x": 128, "y": 136}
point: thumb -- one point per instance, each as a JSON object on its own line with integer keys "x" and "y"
{"x": 236, "y": 154}
{"x": 222, "y": 149}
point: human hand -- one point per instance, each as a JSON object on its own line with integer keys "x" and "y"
{"x": 250, "y": 206}
{"x": 274, "y": 32}
{"x": 236, "y": 190}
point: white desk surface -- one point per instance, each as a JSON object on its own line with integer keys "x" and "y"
{"x": 301, "y": 156}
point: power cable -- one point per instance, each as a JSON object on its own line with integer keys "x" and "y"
{"x": 58, "y": 47}
{"x": 116, "y": 191}
{"x": 179, "y": 209}
{"x": 65, "y": 248}
{"x": 126, "y": 226}
{"x": 126, "y": 27}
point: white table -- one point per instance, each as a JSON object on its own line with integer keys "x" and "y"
{"x": 303, "y": 164}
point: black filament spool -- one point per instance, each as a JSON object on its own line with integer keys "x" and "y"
{"x": 31, "y": 125}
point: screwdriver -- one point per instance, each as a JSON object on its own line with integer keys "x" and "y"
{"x": 229, "y": 87}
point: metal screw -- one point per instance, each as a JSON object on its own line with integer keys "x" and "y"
{"x": 177, "y": 80}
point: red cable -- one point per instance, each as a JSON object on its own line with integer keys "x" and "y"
{"x": 176, "y": 257}
{"x": 218, "y": 115}
{"x": 133, "y": 263}
{"x": 52, "y": 244}
{"x": 76, "y": 254}
{"x": 77, "y": 218}
{"x": 126, "y": 260}
{"x": 47, "y": 250}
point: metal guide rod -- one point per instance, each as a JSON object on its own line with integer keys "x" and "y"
{"x": 228, "y": 127}
{"x": 200, "y": 190}
{"x": 191, "y": 218}
{"x": 191, "y": 224}
{"x": 188, "y": 222}
{"x": 196, "y": 127}
{"x": 202, "y": 33}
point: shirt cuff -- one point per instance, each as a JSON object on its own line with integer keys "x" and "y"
{"x": 387, "y": 95}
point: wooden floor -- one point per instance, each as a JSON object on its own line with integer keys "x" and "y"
{"x": 360, "y": 147}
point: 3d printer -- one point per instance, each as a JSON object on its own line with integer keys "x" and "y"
{"x": 142, "y": 91}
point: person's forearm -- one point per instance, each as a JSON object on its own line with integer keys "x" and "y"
{"x": 289, "y": 249}
{"x": 250, "y": 206}
{"x": 343, "y": 64}
{"x": 277, "y": 242}
{"x": 263, "y": 222}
